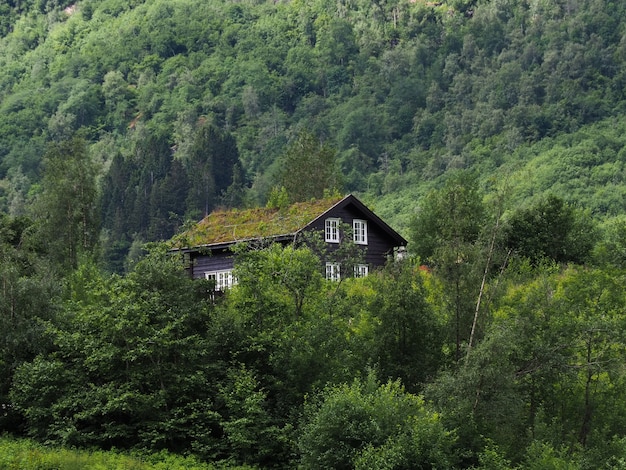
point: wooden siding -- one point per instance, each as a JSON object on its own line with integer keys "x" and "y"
{"x": 379, "y": 245}
{"x": 205, "y": 263}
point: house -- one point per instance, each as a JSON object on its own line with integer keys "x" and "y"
{"x": 207, "y": 246}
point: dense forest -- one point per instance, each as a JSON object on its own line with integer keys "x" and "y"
{"x": 490, "y": 133}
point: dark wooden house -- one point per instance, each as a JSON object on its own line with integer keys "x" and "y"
{"x": 208, "y": 245}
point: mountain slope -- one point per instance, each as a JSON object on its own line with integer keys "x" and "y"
{"x": 404, "y": 90}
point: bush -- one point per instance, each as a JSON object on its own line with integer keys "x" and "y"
{"x": 368, "y": 425}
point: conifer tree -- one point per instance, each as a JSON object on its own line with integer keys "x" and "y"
{"x": 212, "y": 167}
{"x": 309, "y": 169}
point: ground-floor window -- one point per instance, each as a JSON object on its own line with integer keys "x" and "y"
{"x": 361, "y": 270}
{"x": 332, "y": 272}
{"x": 223, "y": 279}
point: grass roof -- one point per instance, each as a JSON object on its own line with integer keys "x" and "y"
{"x": 239, "y": 225}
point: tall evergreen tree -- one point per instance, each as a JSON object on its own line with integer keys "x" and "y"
{"x": 167, "y": 202}
{"x": 309, "y": 169}
{"x": 213, "y": 161}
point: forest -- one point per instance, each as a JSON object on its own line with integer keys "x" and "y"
{"x": 490, "y": 133}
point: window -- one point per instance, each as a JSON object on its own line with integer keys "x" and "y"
{"x": 332, "y": 272}
{"x": 359, "y": 230}
{"x": 361, "y": 270}
{"x": 223, "y": 279}
{"x": 331, "y": 232}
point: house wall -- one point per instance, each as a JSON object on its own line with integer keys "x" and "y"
{"x": 217, "y": 261}
{"x": 379, "y": 244}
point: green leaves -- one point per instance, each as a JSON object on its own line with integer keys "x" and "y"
{"x": 371, "y": 425}
{"x": 247, "y": 422}
{"x": 67, "y": 203}
{"x": 130, "y": 355}
{"x": 408, "y": 337}
{"x": 29, "y": 290}
{"x": 549, "y": 363}
{"x": 551, "y": 229}
{"x": 279, "y": 279}
{"x": 446, "y": 234}
{"x": 449, "y": 220}
{"x": 277, "y": 371}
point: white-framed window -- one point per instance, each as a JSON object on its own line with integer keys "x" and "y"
{"x": 332, "y": 272}
{"x": 331, "y": 230}
{"x": 361, "y": 270}
{"x": 359, "y": 231}
{"x": 223, "y": 279}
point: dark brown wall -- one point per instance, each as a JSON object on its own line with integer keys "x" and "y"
{"x": 216, "y": 261}
{"x": 379, "y": 244}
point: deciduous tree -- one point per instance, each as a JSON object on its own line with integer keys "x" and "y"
{"x": 551, "y": 229}
{"x": 445, "y": 233}
{"x": 67, "y": 204}
{"x": 408, "y": 336}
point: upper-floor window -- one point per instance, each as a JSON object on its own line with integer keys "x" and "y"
{"x": 223, "y": 279}
{"x": 331, "y": 231}
{"x": 332, "y": 272}
{"x": 359, "y": 231}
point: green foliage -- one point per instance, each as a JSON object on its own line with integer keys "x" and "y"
{"x": 212, "y": 166}
{"x": 188, "y": 105}
{"x": 551, "y": 229}
{"x": 308, "y": 169}
{"x": 369, "y": 425}
{"x": 449, "y": 219}
{"x": 408, "y": 336}
{"x": 29, "y": 289}
{"x": 129, "y": 363}
{"x": 610, "y": 249}
{"x": 67, "y": 203}
{"x": 27, "y": 455}
{"x": 278, "y": 198}
{"x": 446, "y": 234}
{"x": 405, "y": 91}
{"x": 247, "y": 423}
{"x": 155, "y": 360}
{"x": 279, "y": 280}
{"x": 543, "y": 456}
{"x": 491, "y": 459}
{"x": 547, "y": 368}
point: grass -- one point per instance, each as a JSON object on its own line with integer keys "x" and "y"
{"x": 23, "y": 454}
{"x": 246, "y": 224}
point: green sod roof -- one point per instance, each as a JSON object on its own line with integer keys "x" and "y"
{"x": 247, "y": 224}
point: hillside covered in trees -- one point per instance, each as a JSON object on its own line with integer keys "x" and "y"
{"x": 186, "y": 105}
{"x": 491, "y": 133}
